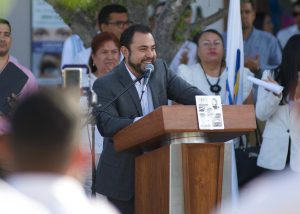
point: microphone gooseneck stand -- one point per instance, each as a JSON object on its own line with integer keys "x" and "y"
{"x": 92, "y": 121}
{"x": 93, "y": 186}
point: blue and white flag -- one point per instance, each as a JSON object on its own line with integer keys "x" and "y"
{"x": 234, "y": 54}
{"x": 234, "y": 87}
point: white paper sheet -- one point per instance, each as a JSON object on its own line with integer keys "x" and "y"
{"x": 209, "y": 112}
{"x": 277, "y": 89}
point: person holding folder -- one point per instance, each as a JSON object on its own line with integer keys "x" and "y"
{"x": 16, "y": 81}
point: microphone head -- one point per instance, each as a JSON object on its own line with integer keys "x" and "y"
{"x": 149, "y": 67}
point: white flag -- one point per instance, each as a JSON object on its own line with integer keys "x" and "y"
{"x": 234, "y": 54}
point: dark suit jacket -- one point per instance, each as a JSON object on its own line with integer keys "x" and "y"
{"x": 115, "y": 172}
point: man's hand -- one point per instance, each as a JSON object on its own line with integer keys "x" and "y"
{"x": 12, "y": 102}
{"x": 270, "y": 79}
{"x": 252, "y": 64}
{"x": 184, "y": 58}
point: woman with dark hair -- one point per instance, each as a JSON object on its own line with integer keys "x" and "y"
{"x": 281, "y": 139}
{"x": 263, "y": 21}
{"x": 105, "y": 54}
{"x": 210, "y": 74}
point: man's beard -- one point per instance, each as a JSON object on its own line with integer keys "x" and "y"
{"x": 4, "y": 52}
{"x": 138, "y": 66}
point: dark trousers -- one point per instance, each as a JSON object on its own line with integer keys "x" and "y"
{"x": 125, "y": 207}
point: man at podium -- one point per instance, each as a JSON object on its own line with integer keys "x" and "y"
{"x": 115, "y": 172}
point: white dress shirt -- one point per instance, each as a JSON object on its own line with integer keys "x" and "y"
{"x": 286, "y": 33}
{"x": 146, "y": 102}
{"x": 60, "y": 194}
{"x": 13, "y": 202}
{"x": 194, "y": 74}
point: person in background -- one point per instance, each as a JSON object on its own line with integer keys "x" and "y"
{"x": 16, "y": 82}
{"x": 13, "y": 202}
{"x": 104, "y": 57}
{"x": 209, "y": 74}
{"x": 105, "y": 54}
{"x": 263, "y": 21}
{"x": 46, "y": 153}
{"x": 112, "y": 18}
{"x": 273, "y": 193}
{"x": 284, "y": 34}
{"x": 280, "y": 148}
{"x": 5, "y": 58}
{"x": 261, "y": 49}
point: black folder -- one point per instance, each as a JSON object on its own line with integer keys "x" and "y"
{"x": 12, "y": 81}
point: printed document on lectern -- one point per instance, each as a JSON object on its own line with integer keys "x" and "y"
{"x": 209, "y": 112}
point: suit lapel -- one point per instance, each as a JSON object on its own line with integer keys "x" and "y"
{"x": 154, "y": 87}
{"x": 126, "y": 80}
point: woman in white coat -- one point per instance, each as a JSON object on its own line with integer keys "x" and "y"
{"x": 281, "y": 137}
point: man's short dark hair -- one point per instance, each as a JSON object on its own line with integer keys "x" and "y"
{"x": 44, "y": 127}
{"x": 127, "y": 35}
{"x": 250, "y": 2}
{"x": 105, "y": 12}
{"x": 6, "y": 22}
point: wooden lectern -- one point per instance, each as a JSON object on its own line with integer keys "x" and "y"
{"x": 184, "y": 174}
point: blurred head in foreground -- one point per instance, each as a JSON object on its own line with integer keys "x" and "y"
{"x": 45, "y": 134}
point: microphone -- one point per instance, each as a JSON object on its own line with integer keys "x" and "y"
{"x": 149, "y": 68}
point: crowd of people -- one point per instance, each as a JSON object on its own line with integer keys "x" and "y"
{"x": 45, "y": 152}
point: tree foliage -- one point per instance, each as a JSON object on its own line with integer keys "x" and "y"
{"x": 169, "y": 31}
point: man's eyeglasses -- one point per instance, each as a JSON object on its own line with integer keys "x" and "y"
{"x": 295, "y": 14}
{"x": 120, "y": 23}
{"x": 5, "y": 34}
